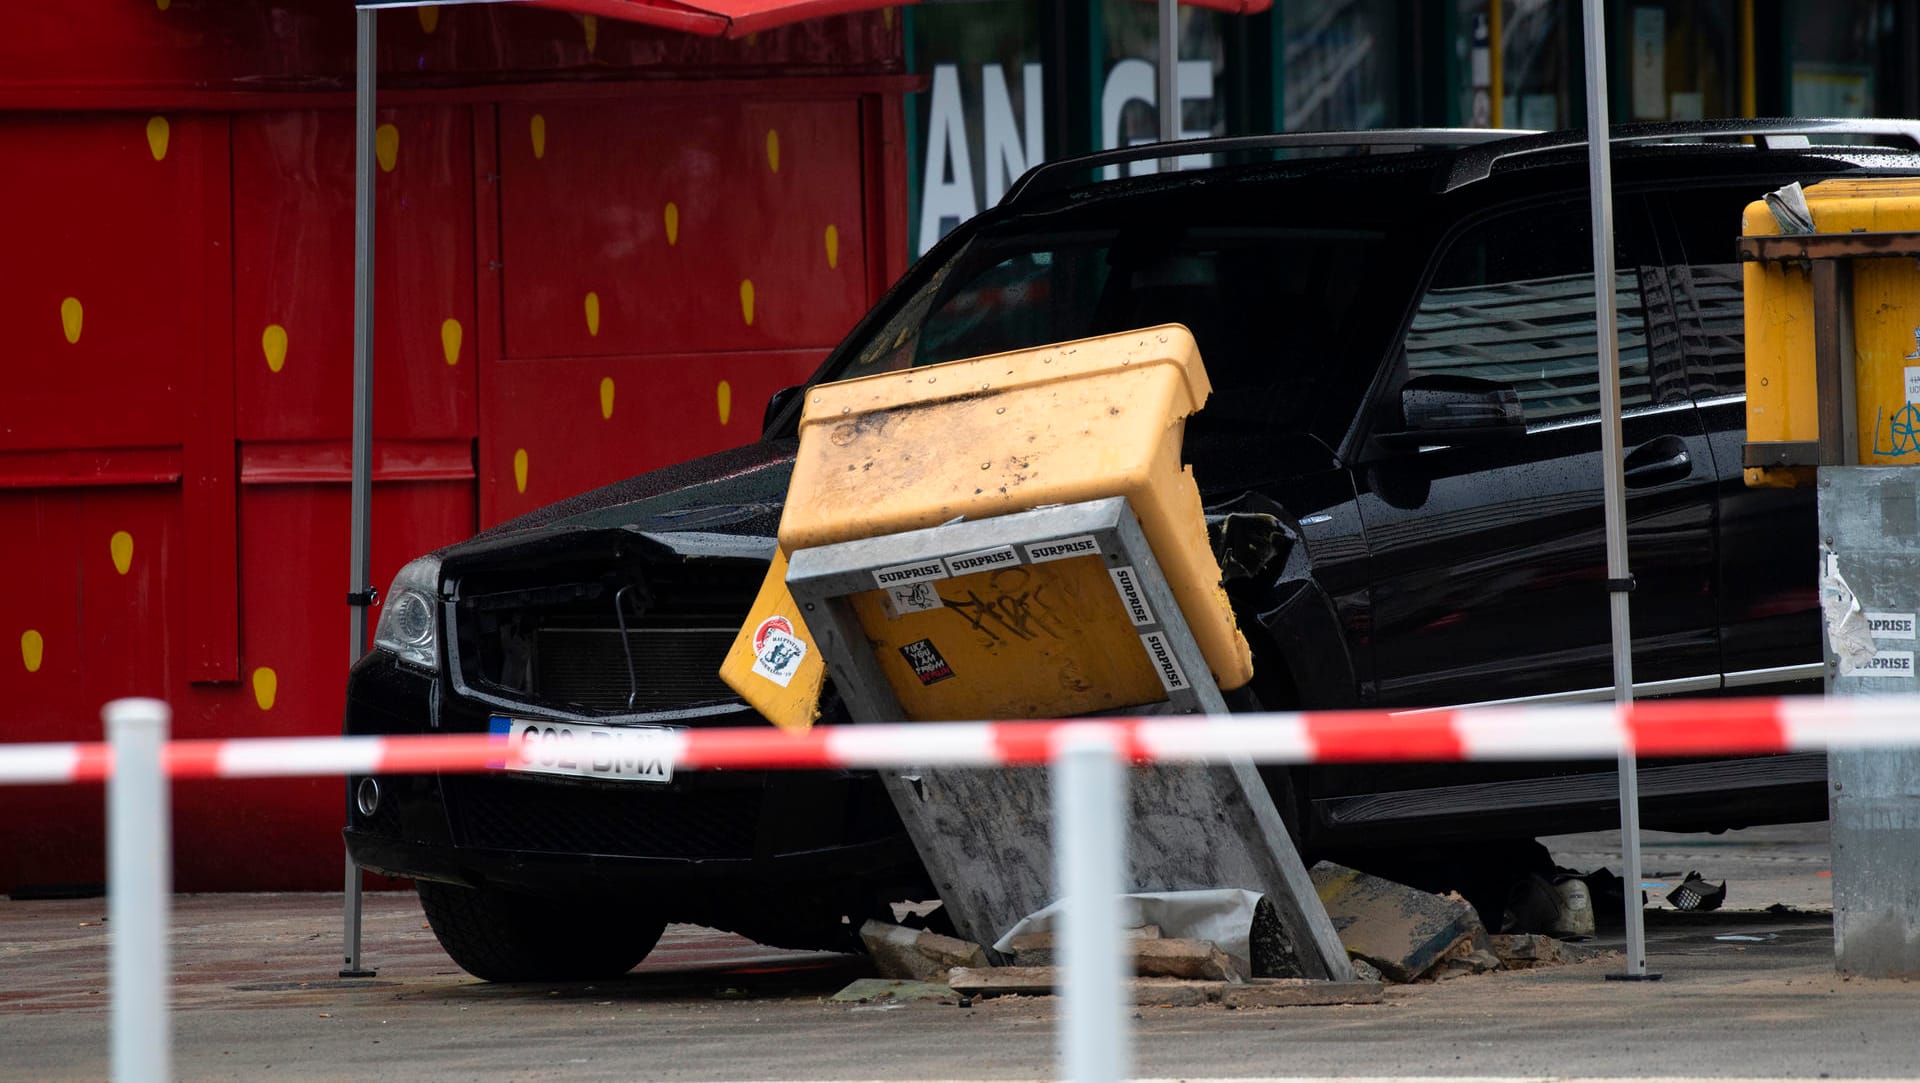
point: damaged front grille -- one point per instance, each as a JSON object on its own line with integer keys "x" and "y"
{"x": 618, "y": 635}
{"x": 623, "y": 821}
{"x": 671, "y": 667}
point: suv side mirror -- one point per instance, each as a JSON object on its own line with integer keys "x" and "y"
{"x": 1447, "y": 411}
{"x": 777, "y": 404}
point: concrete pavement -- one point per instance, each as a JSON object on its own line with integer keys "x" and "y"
{"x": 256, "y": 996}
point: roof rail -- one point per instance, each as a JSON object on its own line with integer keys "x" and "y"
{"x": 1053, "y": 176}
{"x": 1477, "y": 162}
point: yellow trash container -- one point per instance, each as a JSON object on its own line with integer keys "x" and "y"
{"x": 986, "y": 437}
{"x": 1782, "y": 405}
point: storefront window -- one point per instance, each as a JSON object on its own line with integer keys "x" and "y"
{"x": 1543, "y": 76}
{"x": 981, "y": 123}
{"x": 1832, "y": 47}
{"x": 1682, "y": 60}
{"x": 1340, "y": 61}
{"x": 1129, "y": 95}
{"x": 1523, "y": 65}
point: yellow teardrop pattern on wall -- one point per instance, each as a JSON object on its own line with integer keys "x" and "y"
{"x": 606, "y": 397}
{"x": 520, "y": 470}
{"x": 32, "y": 649}
{"x": 450, "y": 340}
{"x": 773, "y": 150}
{"x": 163, "y": 4}
{"x": 886, "y": 16}
{"x": 746, "y": 300}
{"x": 537, "y": 127}
{"x": 70, "y": 315}
{"x": 386, "y": 146}
{"x": 121, "y": 546}
{"x": 273, "y": 343}
{"x": 672, "y": 215}
{"x": 723, "y": 398}
{"x": 158, "y": 132}
{"x": 593, "y": 313}
{"x": 592, "y": 26}
{"x": 266, "y": 687}
{"x": 833, "y": 247}
{"x": 429, "y": 18}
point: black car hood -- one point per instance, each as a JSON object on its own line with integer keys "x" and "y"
{"x": 738, "y": 492}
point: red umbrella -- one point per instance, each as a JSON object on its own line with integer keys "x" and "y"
{"x": 738, "y": 18}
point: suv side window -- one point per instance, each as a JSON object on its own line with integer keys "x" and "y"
{"x": 1512, "y": 302}
{"x": 1706, "y": 286}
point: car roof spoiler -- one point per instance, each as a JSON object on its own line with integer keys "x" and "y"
{"x": 1477, "y": 151}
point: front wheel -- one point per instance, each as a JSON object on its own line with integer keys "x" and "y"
{"x": 501, "y": 936}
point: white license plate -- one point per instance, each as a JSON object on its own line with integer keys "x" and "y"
{"x": 583, "y": 750}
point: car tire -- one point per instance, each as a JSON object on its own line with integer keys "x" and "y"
{"x": 501, "y": 936}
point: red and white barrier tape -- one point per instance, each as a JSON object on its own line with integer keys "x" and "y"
{"x": 1664, "y": 728}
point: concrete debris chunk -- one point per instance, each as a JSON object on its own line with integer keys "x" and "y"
{"x": 1300, "y": 993}
{"x": 1036, "y": 949}
{"x": 1194, "y": 959}
{"x": 1401, "y": 930}
{"x": 1467, "y": 956}
{"x": 916, "y": 954}
{"x": 1002, "y": 980}
{"x": 1523, "y": 951}
{"x": 1173, "y": 993}
{"x": 866, "y": 990}
{"x": 1176, "y": 993}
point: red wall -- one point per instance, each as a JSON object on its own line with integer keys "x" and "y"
{"x": 174, "y": 438}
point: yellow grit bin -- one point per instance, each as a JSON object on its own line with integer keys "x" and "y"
{"x": 1043, "y": 633}
{"x": 1781, "y": 400}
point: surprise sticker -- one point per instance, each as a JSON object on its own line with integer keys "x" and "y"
{"x": 777, "y": 652}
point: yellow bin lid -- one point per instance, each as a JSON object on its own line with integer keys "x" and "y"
{"x": 987, "y": 436}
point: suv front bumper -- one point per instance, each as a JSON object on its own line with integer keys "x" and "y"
{"x": 706, "y": 832}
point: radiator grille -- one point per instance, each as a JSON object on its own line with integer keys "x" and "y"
{"x": 672, "y": 667}
{"x": 633, "y": 820}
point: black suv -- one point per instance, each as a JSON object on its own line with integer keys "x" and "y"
{"x": 1350, "y": 305}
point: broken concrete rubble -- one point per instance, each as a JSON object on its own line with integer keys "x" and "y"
{"x": 867, "y": 990}
{"x": 1523, "y": 951}
{"x": 1198, "y": 959}
{"x": 916, "y": 954}
{"x": 1151, "y": 956}
{"x": 1470, "y": 955}
{"x": 1403, "y": 931}
{"x": 1169, "y": 992}
{"x": 1036, "y": 949}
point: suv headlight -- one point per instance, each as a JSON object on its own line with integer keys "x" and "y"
{"x": 409, "y": 619}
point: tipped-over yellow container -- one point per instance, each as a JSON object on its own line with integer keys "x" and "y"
{"x": 991, "y": 435}
{"x": 1781, "y": 401}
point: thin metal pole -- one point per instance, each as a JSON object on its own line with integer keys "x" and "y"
{"x": 139, "y": 884}
{"x": 362, "y": 494}
{"x": 1089, "y": 847}
{"x": 1168, "y": 76}
{"x": 1600, "y": 177}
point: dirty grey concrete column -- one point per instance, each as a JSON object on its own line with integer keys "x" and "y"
{"x": 1870, "y": 522}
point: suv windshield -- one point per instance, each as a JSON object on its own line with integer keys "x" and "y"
{"x": 1269, "y": 305}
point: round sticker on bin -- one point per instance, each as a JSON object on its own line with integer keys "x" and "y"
{"x": 777, "y": 652}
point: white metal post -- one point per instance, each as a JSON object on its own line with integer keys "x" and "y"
{"x": 359, "y": 590}
{"x": 1619, "y": 579}
{"x": 139, "y": 887}
{"x": 1168, "y": 74}
{"x": 1089, "y": 852}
